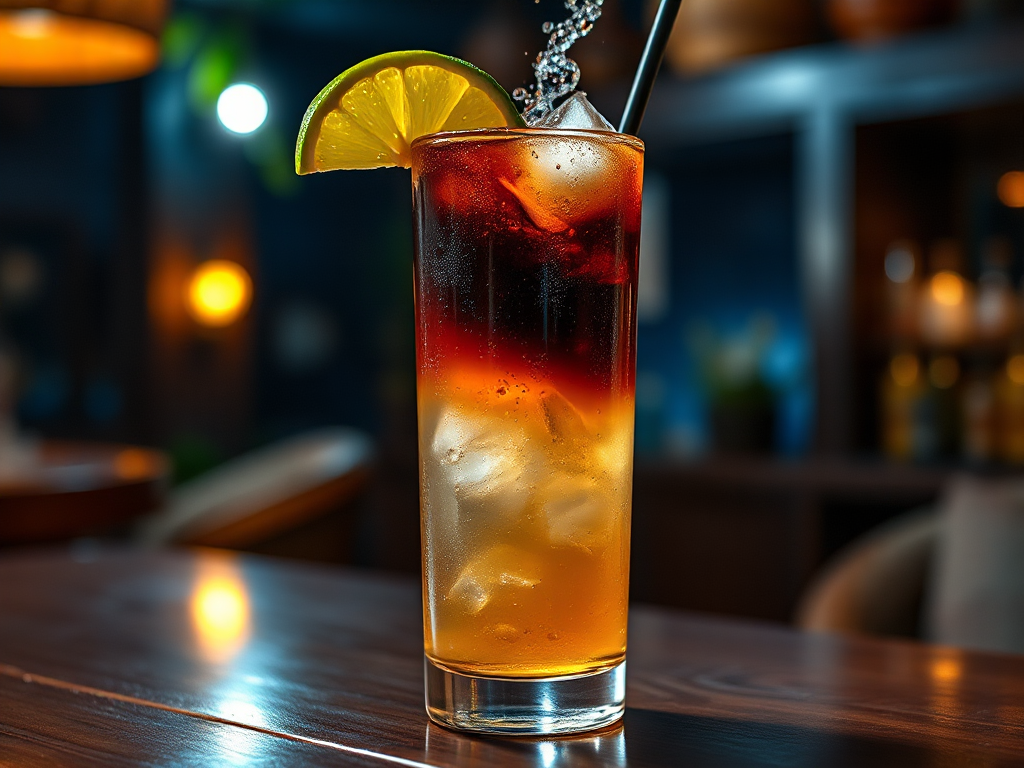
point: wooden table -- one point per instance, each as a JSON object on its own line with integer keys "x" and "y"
{"x": 208, "y": 659}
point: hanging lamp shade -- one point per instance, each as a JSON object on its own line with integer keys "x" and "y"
{"x": 78, "y": 42}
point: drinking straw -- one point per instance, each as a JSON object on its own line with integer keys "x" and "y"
{"x": 650, "y": 61}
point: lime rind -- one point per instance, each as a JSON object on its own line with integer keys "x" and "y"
{"x": 383, "y": 134}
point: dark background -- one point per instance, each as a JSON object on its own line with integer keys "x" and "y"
{"x": 115, "y": 190}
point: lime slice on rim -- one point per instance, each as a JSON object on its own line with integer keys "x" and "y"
{"x": 369, "y": 115}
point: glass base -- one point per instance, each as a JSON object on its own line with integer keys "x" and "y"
{"x": 524, "y": 706}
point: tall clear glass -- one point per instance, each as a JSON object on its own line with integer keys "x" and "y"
{"x": 527, "y": 243}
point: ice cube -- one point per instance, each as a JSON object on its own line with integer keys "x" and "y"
{"x": 501, "y": 572}
{"x": 562, "y": 181}
{"x": 613, "y": 452}
{"x": 564, "y": 422}
{"x": 578, "y": 512}
{"x": 488, "y": 463}
{"x": 567, "y": 436}
{"x": 575, "y": 112}
{"x": 541, "y": 217}
{"x": 471, "y": 592}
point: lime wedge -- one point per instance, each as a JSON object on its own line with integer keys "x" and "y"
{"x": 369, "y": 115}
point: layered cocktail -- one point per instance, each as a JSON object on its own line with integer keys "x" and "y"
{"x": 526, "y": 261}
{"x": 527, "y": 237}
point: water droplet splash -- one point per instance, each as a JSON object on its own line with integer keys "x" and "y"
{"x": 557, "y": 74}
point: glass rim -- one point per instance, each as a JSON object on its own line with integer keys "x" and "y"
{"x": 505, "y": 132}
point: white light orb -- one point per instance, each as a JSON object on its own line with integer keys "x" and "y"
{"x": 242, "y": 108}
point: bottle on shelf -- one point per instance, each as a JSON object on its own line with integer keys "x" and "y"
{"x": 996, "y": 315}
{"x": 1009, "y": 389}
{"x": 903, "y": 387}
{"x": 979, "y": 442}
{"x": 1010, "y": 407}
{"x": 944, "y": 392}
{"x": 996, "y": 306}
{"x": 946, "y": 301}
{"x": 908, "y": 423}
{"x": 902, "y": 286}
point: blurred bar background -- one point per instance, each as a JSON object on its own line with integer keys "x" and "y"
{"x": 831, "y": 317}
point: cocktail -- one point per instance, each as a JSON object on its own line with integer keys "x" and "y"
{"x": 526, "y": 263}
{"x": 527, "y": 240}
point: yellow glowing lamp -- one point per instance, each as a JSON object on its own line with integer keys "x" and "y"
{"x": 70, "y": 42}
{"x": 219, "y": 293}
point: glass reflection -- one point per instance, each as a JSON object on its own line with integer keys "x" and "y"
{"x": 220, "y": 610}
{"x": 606, "y": 749}
{"x": 240, "y": 745}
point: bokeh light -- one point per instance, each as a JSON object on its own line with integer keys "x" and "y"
{"x": 220, "y": 610}
{"x": 1011, "y": 189}
{"x": 1015, "y": 369}
{"x": 948, "y": 288}
{"x": 242, "y": 108}
{"x": 41, "y": 47}
{"x": 904, "y": 369}
{"x": 899, "y": 264}
{"x": 219, "y": 293}
{"x": 944, "y": 371}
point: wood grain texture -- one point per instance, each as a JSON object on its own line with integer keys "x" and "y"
{"x": 333, "y": 657}
{"x": 46, "y": 727}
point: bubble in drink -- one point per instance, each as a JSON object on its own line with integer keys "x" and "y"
{"x": 557, "y": 75}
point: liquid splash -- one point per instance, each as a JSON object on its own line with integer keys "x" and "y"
{"x": 557, "y": 74}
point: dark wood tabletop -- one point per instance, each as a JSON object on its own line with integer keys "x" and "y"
{"x": 119, "y": 658}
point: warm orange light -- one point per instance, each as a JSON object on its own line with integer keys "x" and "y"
{"x": 220, "y": 611}
{"x": 904, "y": 369}
{"x": 948, "y": 288}
{"x": 946, "y": 669}
{"x": 1011, "y": 189}
{"x": 133, "y": 464}
{"x": 41, "y": 47}
{"x": 1015, "y": 369}
{"x": 944, "y": 371}
{"x": 219, "y": 293}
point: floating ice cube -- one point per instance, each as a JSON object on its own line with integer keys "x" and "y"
{"x": 613, "y": 453}
{"x": 578, "y": 512}
{"x": 575, "y": 112}
{"x": 470, "y": 592}
{"x": 488, "y": 464}
{"x": 564, "y": 422}
{"x": 539, "y": 215}
{"x": 563, "y": 180}
{"x": 501, "y": 572}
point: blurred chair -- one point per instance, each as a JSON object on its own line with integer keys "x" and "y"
{"x": 876, "y": 585}
{"x": 953, "y": 576}
{"x": 286, "y": 499}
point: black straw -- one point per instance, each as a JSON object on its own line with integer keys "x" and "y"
{"x": 650, "y": 61}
